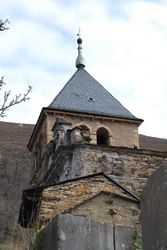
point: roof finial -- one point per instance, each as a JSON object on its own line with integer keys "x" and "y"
{"x": 79, "y": 32}
{"x": 80, "y": 62}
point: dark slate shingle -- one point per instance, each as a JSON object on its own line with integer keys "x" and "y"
{"x": 82, "y": 93}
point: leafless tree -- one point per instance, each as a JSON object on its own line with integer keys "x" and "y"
{"x": 6, "y": 101}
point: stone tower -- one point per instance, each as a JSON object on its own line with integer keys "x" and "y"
{"x": 95, "y": 116}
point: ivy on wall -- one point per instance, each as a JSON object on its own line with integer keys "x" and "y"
{"x": 137, "y": 245}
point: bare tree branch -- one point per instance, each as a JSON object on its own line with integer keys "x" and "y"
{"x": 3, "y": 25}
{"x": 6, "y": 104}
{"x": 1, "y": 83}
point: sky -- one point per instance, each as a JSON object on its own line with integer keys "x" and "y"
{"x": 124, "y": 47}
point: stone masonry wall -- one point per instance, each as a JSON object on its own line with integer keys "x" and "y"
{"x": 109, "y": 208}
{"x": 80, "y": 197}
{"x": 131, "y": 167}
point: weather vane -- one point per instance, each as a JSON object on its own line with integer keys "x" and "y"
{"x": 79, "y": 32}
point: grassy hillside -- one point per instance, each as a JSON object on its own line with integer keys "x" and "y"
{"x": 153, "y": 143}
{"x": 15, "y": 174}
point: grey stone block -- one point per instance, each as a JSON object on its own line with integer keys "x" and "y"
{"x": 101, "y": 236}
{"x": 154, "y": 211}
{"x": 68, "y": 232}
{"x": 124, "y": 237}
{"x": 74, "y": 232}
{"x": 51, "y": 238}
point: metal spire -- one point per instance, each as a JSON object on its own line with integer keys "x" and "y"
{"x": 80, "y": 62}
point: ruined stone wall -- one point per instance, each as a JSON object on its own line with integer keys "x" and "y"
{"x": 94, "y": 197}
{"x": 131, "y": 167}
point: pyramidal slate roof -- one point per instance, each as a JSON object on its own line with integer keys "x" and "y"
{"x": 82, "y": 93}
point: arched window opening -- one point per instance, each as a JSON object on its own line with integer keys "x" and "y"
{"x": 103, "y": 136}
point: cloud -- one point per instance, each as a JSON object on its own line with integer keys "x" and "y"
{"x": 124, "y": 46}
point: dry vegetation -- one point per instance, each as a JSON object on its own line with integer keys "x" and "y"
{"x": 15, "y": 175}
{"x": 153, "y": 143}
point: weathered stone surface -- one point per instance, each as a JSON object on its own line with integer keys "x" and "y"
{"x": 102, "y": 236}
{"x": 51, "y": 235}
{"x": 124, "y": 237}
{"x": 122, "y": 163}
{"x": 109, "y": 209}
{"x": 74, "y": 233}
{"x": 154, "y": 211}
{"x": 89, "y": 197}
{"x": 67, "y": 232}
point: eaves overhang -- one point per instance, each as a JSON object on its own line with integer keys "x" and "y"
{"x": 95, "y": 114}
